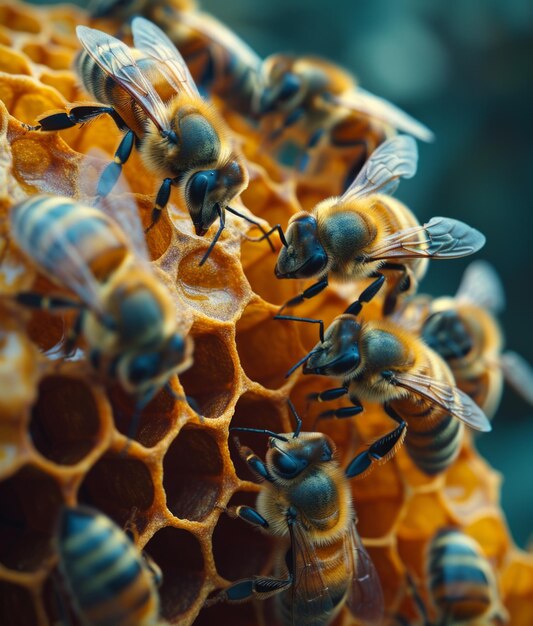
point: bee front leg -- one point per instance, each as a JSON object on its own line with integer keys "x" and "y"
{"x": 161, "y": 201}
{"x": 403, "y": 284}
{"x": 307, "y": 294}
{"x": 256, "y": 465}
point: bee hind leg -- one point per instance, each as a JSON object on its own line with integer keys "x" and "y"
{"x": 74, "y": 116}
{"x": 307, "y": 294}
{"x": 379, "y": 452}
{"x": 257, "y": 587}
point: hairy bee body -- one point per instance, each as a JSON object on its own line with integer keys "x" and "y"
{"x": 106, "y": 576}
{"x": 128, "y": 317}
{"x": 462, "y": 583}
{"x": 322, "y": 499}
{"x": 349, "y": 230}
{"x": 306, "y": 504}
{"x": 203, "y": 141}
{"x": 434, "y": 436}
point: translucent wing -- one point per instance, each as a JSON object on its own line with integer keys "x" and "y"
{"x": 448, "y": 397}
{"x": 116, "y": 60}
{"x": 481, "y": 285}
{"x": 394, "y": 159}
{"x": 152, "y": 40}
{"x": 60, "y": 256}
{"x": 310, "y": 593}
{"x": 440, "y": 238}
{"x": 120, "y": 206}
{"x": 381, "y": 109}
{"x": 518, "y": 374}
{"x": 223, "y": 37}
{"x": 365, "y": 595}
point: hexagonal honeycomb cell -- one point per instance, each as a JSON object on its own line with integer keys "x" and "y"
{"x": 64, "y": 433}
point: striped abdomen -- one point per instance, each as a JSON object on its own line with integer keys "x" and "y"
{"x": 73, "y": 243}
{"x": 105, "y": 574}
{"x": 461, "y": 580}
{"x": 319, "y": 611}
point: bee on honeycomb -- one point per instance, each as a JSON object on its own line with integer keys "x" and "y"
{"x": 63, "y": 427}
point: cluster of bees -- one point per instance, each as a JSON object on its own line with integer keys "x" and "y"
{"x": 435, "y": 365}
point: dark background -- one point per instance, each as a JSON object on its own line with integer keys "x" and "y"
{"x": 464, "y": 68}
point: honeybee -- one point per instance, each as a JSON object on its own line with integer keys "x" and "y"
{"x": 305, "y": 502}
{"x": 127, "y": 316}
{"x": 128, "y": 8}
{"x": 363, "y": 231}
{"x": 464, "y": 331}
{"x": 381, "y": 362}
{"x": 151, "y": 96}
{"x": 283, "y": 91}
{"x": 108, "y": 580}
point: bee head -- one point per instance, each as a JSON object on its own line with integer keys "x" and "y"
{"x": 143, "y": 370}
{"x": 288, "y": 459}
{"x": 280, "y": 88}
{"x": 447, "y": 334}
{"x": 207, "y": 192}
{"x": 338, "y": 354}
{"x": 304, "y": 256}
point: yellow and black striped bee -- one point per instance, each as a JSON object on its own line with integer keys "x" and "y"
{"x": 108, "y": 580}
{"x": 127, "y": 316}
{"x": 381, "y": 362}
{"x": 464, "y": 331}
{"x": 461, "y": 583}
{"x": 152, "y": 98}
{"x": 307, "y": 94}
{"x": 306, "y": 503}
{"x": 363, "y": 231}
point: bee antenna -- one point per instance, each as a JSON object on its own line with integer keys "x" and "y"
{"x": 298, "y": 419}
{"x": 300, "y": 362}
{"x": 261, "y": 431}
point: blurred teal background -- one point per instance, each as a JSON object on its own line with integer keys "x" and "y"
{"x": 464, "y": 68}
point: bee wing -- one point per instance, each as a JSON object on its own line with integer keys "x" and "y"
{"x": 116, "y": 60}
{"x": 152, "y": 40}
{"x": 310, "y": 590}
{"x": 448, "y": 397}
{"x": 381, "y": 109}
{"x": 120, "y": 206}
{"x": 481, "y": 285}
{"x": 394, "y": 159}
{"x": 365, "y": 595}
{"x": 440, "y": 238}
{"x": 220, "y": 35}
{"x": 518, "y": 374}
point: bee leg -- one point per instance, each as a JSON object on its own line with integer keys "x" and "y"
{"x": 248, "y": 514}
{"x": 251, "y": 459}
{"x": 342, "y": 413}
{"x": 161, "y": 201}
{"x": 265, "y": 234}
{"x": 307, "y": 294}
{"x": 303, "y": 160}
{"x": 379, "y": 452}
{"x": 72, "y": 336}
{"x": 280, "y": 232}
{"x": 75, "y": 116}
{"x": 328, "y": 394}
{"x": 111, "y": 173}
{"x": 304, "y": 319}
{"x": 291, "y": 119}
{"x": 217, "y": 235}
{"x": 257, "y": 587}
{"x": 34, "y": 300}
{"x": 366, "y": 295}
{"x": 403, "y": 284}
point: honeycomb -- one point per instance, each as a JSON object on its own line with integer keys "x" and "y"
{"x": 63, "y": 431}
